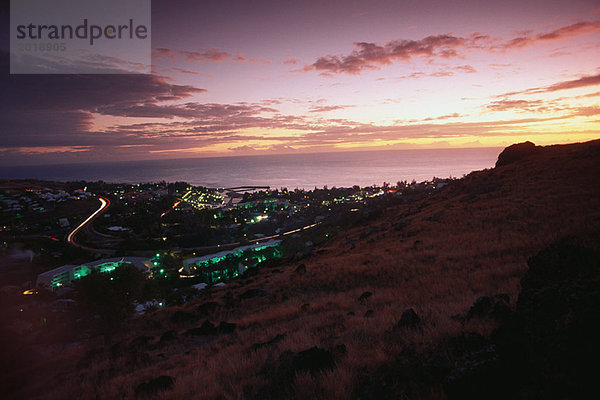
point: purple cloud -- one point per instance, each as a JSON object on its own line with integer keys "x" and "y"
{"x": 369, "y": 56}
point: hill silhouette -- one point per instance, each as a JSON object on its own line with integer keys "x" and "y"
{"x": 420, "y": 300}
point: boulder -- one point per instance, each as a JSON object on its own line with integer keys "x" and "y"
{"x": 409, "y": 319}
{"x": 301, "y": 269}
{"x": 365, "y": 296}
{"x": 313, "y": 360}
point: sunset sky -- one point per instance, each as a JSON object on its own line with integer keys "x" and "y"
{"x": 263, "y": 77}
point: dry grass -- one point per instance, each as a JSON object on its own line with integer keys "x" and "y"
{"x": 469, "y": 240}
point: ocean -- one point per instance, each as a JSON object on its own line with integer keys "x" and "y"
{"x": 303, "y": 171}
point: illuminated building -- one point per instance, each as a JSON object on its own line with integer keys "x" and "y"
{"x": 229, "y": 264}
{"x": 63, "y": 276}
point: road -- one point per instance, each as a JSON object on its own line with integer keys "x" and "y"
{"x": 104, "y": 204}
{"x": 226, "y": 246}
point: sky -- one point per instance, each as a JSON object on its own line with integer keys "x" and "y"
{"x": 270, "y": 77}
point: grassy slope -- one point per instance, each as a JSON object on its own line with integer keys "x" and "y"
{"x": 437, "y": 256}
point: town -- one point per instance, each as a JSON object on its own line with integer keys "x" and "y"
{"x": 170, "y": 224}
{"x": 181, "y": 238}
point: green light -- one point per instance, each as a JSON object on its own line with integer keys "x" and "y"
{"x": 162, "y": 271}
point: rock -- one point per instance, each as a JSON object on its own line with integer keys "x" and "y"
{"x": 207, "y": 328}
{"x": 313, "y": 360}
{"x": 516, "y": 152}
{"x": 486, "y": 306}
{"x": 548, "y": 346}
{"x": 155, "y": 385}
{"x": 409, "y": 319}
{"x": 301, "y": 269}
{"x": 365, "y": 296}
{"x": 226, "y": 327}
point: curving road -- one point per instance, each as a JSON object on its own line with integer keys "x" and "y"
{"x": 104, "y": 204}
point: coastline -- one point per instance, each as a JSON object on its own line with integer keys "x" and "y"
{"x": 303, "y": 171}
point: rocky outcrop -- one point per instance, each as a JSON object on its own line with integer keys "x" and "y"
{"x": 547, "y": 347}
{"x": 516, "y": 152}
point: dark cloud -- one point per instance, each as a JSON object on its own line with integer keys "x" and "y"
{"x": 592, "y": 80}
{"x": 584, "y": 81}
{"x": 187, "y": 110}
{"x": 56, "y": 110}
{"x": 527, "y": 38}
{"x": 86, "y": 92}
{"x": 552, "y": 107}
{"x": 571, "y": 30}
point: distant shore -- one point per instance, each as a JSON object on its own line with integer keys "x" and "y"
{"x": 303, "y": 171}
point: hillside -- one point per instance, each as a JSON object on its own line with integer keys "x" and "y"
{"x": 350, "y": 298}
